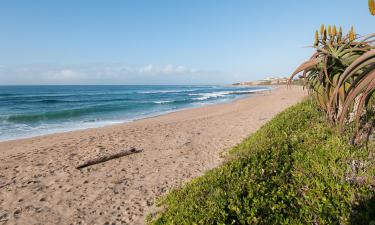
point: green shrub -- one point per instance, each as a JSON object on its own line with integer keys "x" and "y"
{"x": 294, "y": 170}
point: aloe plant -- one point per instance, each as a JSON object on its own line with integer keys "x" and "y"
{"x": 341, "y": 75}
{"x": 334, "y": 53}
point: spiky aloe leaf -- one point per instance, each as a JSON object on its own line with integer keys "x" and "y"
{"x": 366, "y": 39}
{"x": 364, "y": 100}
{"x": 359, "y": 89}
{"x": 304, "y": 67}
{"x": 325, "y": 70}
{"x": 360, "y": 62}
{"x": 366, "y": 59}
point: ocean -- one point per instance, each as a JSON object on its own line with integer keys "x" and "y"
{"x": 28, "y": 111}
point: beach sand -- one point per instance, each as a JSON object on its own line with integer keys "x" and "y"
{"x": 39, "y": 182}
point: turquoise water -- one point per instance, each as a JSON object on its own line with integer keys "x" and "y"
{"x": 27, "y": 111}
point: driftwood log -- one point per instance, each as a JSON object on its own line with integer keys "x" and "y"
{"x": 109, "y": 157}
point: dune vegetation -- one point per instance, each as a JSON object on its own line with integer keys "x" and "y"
{"x": 294, "y": 170}
{"x": 311, "y": 164}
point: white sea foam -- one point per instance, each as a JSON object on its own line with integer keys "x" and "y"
{"x": 26, "y": 131}
{"x": 205, "y": 96}
{"x": 161, "y": 102}
{"x": 166, "y": 91}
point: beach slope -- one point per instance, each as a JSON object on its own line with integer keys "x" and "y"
{"x": 39, "y": 181}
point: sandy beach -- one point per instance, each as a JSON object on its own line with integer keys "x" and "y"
{"x": 40, "y": 184}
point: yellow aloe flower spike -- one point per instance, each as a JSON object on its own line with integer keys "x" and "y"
{"x": 322, "y": 29}
{"x": 334, "y": 31}
{"x": 371, "y": 5}
{"x": 324, "y": 37}
{"x": 351, "y": 34}
{"x": 329, "y": 31}
{"x": 339, "y": 35}
{"x": 316, "y": 43}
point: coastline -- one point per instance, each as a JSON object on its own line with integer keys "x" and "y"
{"x": 47, "y": 128}
{"x": 41, "y": 183}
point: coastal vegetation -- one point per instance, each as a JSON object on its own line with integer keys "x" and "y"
{"x": 301, "y": 167}
{"x": 294, "y": 170}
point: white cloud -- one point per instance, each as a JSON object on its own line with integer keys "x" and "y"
{"x": 168, "y": 69}
{"x": 193, "y": 70}
{"x": 98, "y": 74}
{"x": 146, "y": 69}
{"x": 180, "y": 69}
{"x": 67, "y": 74}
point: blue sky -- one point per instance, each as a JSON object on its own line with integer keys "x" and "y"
{"x": 163, "y": 42}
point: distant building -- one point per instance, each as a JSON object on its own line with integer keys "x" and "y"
{"x": 266, "y": 81}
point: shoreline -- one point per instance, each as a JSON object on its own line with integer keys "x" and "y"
{"x": 137, "y": 118}
{"x": 40, "y": 182}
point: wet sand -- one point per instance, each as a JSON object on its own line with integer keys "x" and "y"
{"x": 39, "y": 182}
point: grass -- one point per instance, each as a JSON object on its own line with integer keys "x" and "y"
{"x": 294, "y": 170}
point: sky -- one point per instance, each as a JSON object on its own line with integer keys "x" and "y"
{"x": 164, "y": 41}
